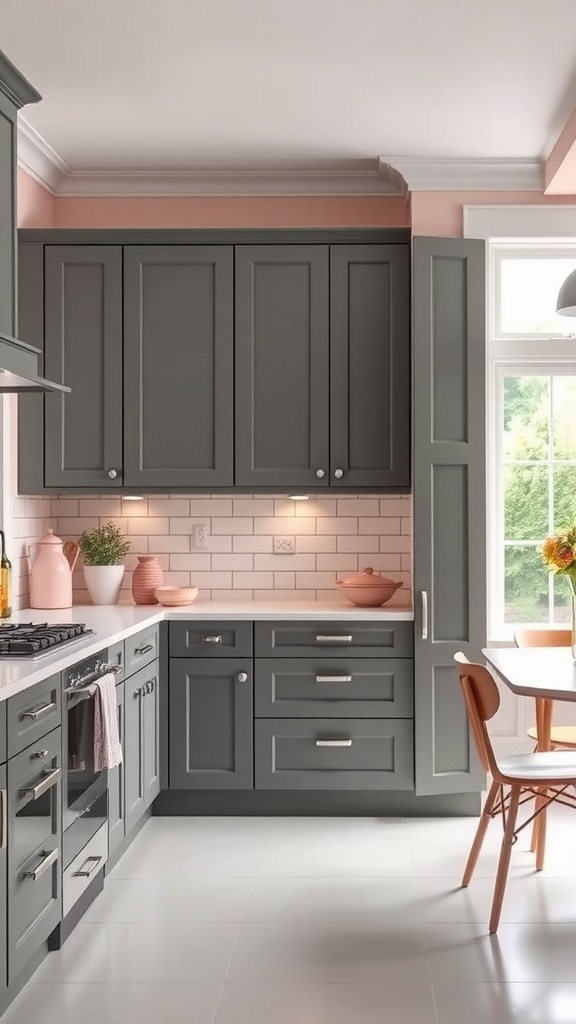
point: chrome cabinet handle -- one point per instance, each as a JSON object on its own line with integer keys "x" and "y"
{"x": 212, "y": 639}
{"x": 86, "y": 874}
{"x": 49, "y": 780}
{"x": 112, "y": 473}
{"x": 320, "y": 473}
{"x": 138, "y": 692}
{"x": 333, "y": 679}
{"x": 36, "y": 713}
{"x": 40, "y": 754}
{"x": 242, "y": 677}
{"x": 424, "y": 597}
{"x": 333, "y": 743}
{"x": 338, "y": 473}
{"x": 325, "y": 639}
{"x": 144, "y": 649}
{"x": 3, "y": 819}
{"x": 49, "y": 858}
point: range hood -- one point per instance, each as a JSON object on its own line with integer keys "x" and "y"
{"x": 19, "y": 368}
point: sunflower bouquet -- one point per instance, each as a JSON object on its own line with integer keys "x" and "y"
{"x": 559, "y": 554}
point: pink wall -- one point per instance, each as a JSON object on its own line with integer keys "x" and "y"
{"x": 440, "y": 213}
{"x": 35, "y": 204}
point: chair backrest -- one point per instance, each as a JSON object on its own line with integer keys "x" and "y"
{"x": 543, "y": 637}
{"x": 482, "y": 702}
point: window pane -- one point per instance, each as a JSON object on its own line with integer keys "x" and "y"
{"x": 525, "y": 502}
{"x": 562, "y": 611}
{"x": 526, "y": 409}
{"x": 564, "y": 418}
{"x": 529, "y": 288}
{"x": 564, "y": 496}
{"x": 525, "y": 585}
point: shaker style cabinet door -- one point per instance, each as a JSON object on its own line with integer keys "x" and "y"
{"x": 178, "y": 366}
{"x": 370, "y": 365}
{"x": 449, "y": 504}
{"x": 282, "y": 325}
{"x": 116, "y": 805}
{"x": 83, "y": 349}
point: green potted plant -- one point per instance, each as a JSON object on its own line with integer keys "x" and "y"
{"x": 102, "y": 550}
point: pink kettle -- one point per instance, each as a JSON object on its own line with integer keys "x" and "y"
{"x": 50, "y": 574}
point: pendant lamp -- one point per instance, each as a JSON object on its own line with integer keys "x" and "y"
{"x": 566, "y": 301}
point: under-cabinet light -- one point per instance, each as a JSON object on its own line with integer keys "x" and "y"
{"x": 299, "y": 497}
{"x": 132, "y": 497}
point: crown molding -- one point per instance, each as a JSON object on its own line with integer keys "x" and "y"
{"x": 439, "y": 174}
{"x": 38, "y": 158}
{"x": 14, "y": 85}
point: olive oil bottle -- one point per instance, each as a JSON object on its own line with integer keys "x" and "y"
{"x": 5, "y": 581}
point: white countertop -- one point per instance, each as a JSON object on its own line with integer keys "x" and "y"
{"x": 112, "y": 623}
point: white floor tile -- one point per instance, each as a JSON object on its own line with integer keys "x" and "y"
{"x": 518, "y": 953}
{"x": 368, "y": 901}
{"x": 114, "y": 1004}
{"x": 509, "y": 1004}
{"x": 533, "y": 898}
{"x": 326, "y": 1004}
{"x": 145, "y": 900}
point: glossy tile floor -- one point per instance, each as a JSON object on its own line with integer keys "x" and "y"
{"x": 317, "y": 921}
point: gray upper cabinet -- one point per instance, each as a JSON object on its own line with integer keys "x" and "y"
{"x": 83, "y": 349}
{"x": 178, "y": 366}
{"x": 449, "y": 503}
{"x": 282, "y": 352}
{"x": 370, "y": 365}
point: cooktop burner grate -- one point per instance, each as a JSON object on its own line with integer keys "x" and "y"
{"x": 32, "y": 639}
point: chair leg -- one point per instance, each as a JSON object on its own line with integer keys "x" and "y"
{"x": 542, "y": 820}
{"x": 480, "y": 834}
{"x": 504, "y": 862}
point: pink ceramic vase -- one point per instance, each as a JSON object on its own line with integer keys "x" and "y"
{"x": 146, "y": 576}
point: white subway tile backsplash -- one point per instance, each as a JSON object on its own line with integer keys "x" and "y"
{"x": 314, "y": 543}
{"x": 358, "y": 507}
{"x": 314, "y": 580}
{"x": 168, "y": 506}
{"x": 278, "y": 525}
{"x": 201, "y": 507}
{"x": 381, "y": 525}
{"x": 233, "y": 562}
{"x": 252, "y": 543}
{"x": 280, "y": 563}
{"x": 172, "y": 543}
{"x": 253, "y": 507}
{"x": 358, "y": 543}
{"x": 153, "y": 525}
{"x": 340, "y": 563}
{"x": 284, "y": 580}
{"x": 338, "y": 525}
{"x": 190, "y": 563}
{"x": 285, "y": 507}
{"x": 239, "y": 524}
{"x": 399, "y": 543}
{"x": 253, "y": 580}
{"x": 315, "y": 507}
{"x": 99, "y": 507}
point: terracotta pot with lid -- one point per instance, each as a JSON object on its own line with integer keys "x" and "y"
{"x": 368, "y": 589}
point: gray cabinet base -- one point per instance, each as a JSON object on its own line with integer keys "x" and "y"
{"x": 325, "y": 804}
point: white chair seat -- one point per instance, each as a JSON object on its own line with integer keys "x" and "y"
{"x": 552, "y": 765}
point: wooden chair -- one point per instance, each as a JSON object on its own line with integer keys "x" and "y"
{"x": 559, "y": 735}
{"x": 515, "y": 780}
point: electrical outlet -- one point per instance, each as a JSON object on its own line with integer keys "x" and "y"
{"x": 199, "y": 534}
{"x": 283, "y": 545}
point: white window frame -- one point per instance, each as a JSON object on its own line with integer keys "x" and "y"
{"x": 513, "y": 355}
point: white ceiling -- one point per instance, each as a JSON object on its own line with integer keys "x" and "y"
{"x": 180, "y": 85}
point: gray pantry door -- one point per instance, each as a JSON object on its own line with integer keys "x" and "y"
{"x": 282, "y": 324}
{"x": 449, "y": 503}
{"x": 178, "y": 366}
{"x": 370, "y": 365}
{"x": 83, "y": 349}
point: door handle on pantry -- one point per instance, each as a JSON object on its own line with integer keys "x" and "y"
{"x": 3, "y": 819}
{"x": 38, "y": 712}
{"x": 424, "y": 597}
{"x": 333, "y": 679}
{"x": 49, "y": 858}
{"x": 86, "y": 874}
{"x": 49, "y": 780}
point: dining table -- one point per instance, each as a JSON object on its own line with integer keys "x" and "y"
{"x": 546, "y": 674}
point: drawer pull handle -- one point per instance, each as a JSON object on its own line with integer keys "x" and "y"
{"x": 36, "y": 713}
{"x": 39, "y": 754}
{"x": 3, "y": 819}
{"x": 333, "y": 679}
{"x": 144, "y": 649}
{"x": 86, "y": 874}
{"x": 49, "y": 780}
{"x": 212, "y": 639}
{"x": 333, "y": 743}
{"x": 48, "y": 859}
{"x": 324, "y": 639}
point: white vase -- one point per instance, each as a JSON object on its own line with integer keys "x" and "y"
{"x": 104, "y": 582}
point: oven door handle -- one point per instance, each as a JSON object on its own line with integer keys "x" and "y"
{"x": 49, "y": 780}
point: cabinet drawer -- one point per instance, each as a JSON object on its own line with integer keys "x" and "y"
{"x": 117, "y": 657}
{"x": 33, "y": 713}
{"x": 337, "y": 688}
{"x": 210, "y": 639}
{"x": 364, "y": 639}
{"x": 140, "y": 650}
{"x": 84, "y": 868}
{"x": 34, "y": 786}
{"x": 321, "y": 753}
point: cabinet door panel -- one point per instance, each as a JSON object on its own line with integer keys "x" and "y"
{"x": 370, "y": 365}
{"x": 178, "y": 365}
{"x": 3, "y": 882}
{"x": 211, "y": 723}
{"x": 151, "y": 734}
{"x": 133, "y": 753}
{"x": 8, "y": 143}
{"x": 281, "y": 301}
{"x": 116, "y": 806}
{"x": 83, "y": 349}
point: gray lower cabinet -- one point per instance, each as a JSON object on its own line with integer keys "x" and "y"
{"x": 3, "y": 880}
{"x": 326, "y": 753}
{"x": 211, "y": 723}
{"x": 141, "y": 743}
{"x": 116, "y": 802}
{"x": 344, "y": 687}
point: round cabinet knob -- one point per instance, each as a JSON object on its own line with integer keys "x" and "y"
{"x": 320, "y": 473}
{"x": 242, "y": 677}
{"x": 338, "y": 473}
{"x": 112, "y": 473}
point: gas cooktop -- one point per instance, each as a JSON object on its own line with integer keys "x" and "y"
{"x": 36, "y": 639}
